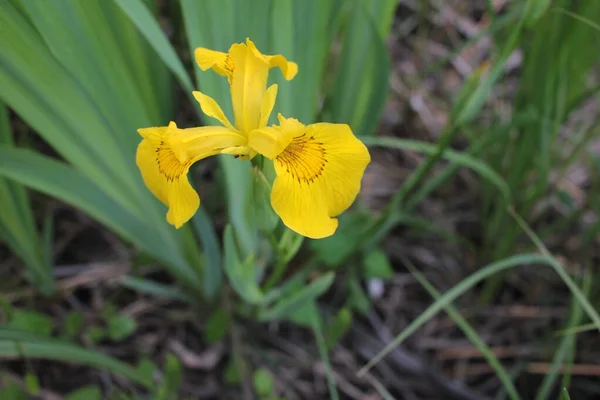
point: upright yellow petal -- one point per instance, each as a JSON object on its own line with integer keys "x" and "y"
{"x": 318, "y": 177}
{"x": 248, "y": 86}
{"x": 267, "y": 105}
{"x": 164, "y": 158}
{"x": 212, "y": 109}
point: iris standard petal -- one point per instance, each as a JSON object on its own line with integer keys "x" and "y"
{"x": 248, "y": 86}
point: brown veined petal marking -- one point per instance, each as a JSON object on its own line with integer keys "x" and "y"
{"x": 304, "y": 158}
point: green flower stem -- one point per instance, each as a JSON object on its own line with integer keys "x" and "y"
{"x": 280, "y": 265}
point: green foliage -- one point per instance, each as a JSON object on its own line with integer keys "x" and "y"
{"x": 20, "y": 344}
{"x": 171, "y": 380}
{"x": 32, "y": 322}
{"x": 120, "y": 327}
{"x": 85, "y": 393}
{"x": 17, "y": 225}
{"x": 217, "y": 326}
{"x": 263, "y": 382}
{"x": 88, "y": 109}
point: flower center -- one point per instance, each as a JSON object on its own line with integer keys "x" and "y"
{"x": 303, "y": 158}
{"x": 168, "y": 163}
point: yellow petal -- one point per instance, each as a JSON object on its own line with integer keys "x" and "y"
{"x": 164, "y": 158}
{"x": 271, "y": 141}
{"x": 216, "y": 60}
{"x": 248, "y": 86}
{"x": 268, "y": 141}
{"x": 318, "y": 177}
{"x": 212, "y": 109}
{"x": 268, "y": 103}
{"x": 289, "y": 69}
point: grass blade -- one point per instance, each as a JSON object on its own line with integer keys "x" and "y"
{"x": 288, "y": 305}
{"x": 452, "y": 294}
{"x": 139, "y": 14}
{"x": 469, "y": 332}
{"x": 59, "y": 180}
{"x": 459, "y": 158}
{"x": 19, "y": 344}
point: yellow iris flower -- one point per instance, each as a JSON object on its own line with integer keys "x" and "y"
{"x": 319, "y": 167}
{"x": 166, "y": 153}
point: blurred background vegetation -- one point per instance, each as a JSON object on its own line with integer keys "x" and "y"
{"x": 467, "y": 269}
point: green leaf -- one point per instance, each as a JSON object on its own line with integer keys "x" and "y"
{"x": 213, "y": 270}
{"x": 357, "y": 297}
{"x": 73, "y": 324}
{"x": 59, "y": 180}
{"x": 32, "y": 383}
{"x": 450, "y": 295}
{"x": 241, "y": 275}
{"x": 17, "y": 226}
{"x": 463, "y": 159}
{"x": 91, "y": 392}
{"x": 96, "y": 333}
{"x": 13, "y": 391}
{"x": 217, "y": 326}
{"x": 31, "y": 321}
{"x": 317, "y": 328}
{"x": 152, "y": 288}
{"x": 19, "y": 344}
{"x": 139, "y": 14}
{"x": 377, "y": 265}
{"x": 147, "y": 368}
{"x": 231, "y": 374}
{"x": 338, "y": 327}
{"x": 534, "y": 10}
{"x": 360, "y": 90}
{"x": 285, "y": 306}
{"x": 263, "y": 382}
{"x": 172, "y": 379}
{"x": 470, "y": 333}
{"x": 120, "y": 327}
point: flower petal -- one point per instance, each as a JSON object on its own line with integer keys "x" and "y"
{"x": 216, "y": 60}
{"x": 271, "y": 141}
{"x": 268, "y": 141}
{"x": 289, "y": 69}
{"x": 318, "y": 177}
{"x": 268, "y": 103}
{"x": 164, "y": 158}
{"x": 248, "y": 86}
{"x": 212, "y": 109}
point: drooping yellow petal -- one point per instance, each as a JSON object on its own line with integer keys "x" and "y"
{"x": 212, "y": 109}
{"x": 164, "y": 158}
{"x": 289, "y": 69}
{"x": 218, "y": 61}
{"x": 318, "y": 177}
